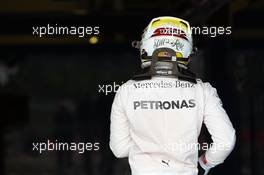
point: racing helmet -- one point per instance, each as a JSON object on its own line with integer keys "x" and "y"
{"x": 166, "y": 32}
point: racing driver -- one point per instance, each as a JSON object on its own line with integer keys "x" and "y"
{"x": 157, "y": 116}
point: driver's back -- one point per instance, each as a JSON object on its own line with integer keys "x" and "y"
{"x": 157, "y": 123}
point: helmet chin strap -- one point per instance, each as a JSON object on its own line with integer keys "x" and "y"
{"x": 179, "y": 71}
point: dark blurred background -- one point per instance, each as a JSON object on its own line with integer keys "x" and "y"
{"x": 49, "y": 85}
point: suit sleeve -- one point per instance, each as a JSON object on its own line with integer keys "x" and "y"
{"x": 220, "y": 128}
{"x": 120, "y": 140}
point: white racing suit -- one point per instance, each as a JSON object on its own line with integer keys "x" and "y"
{"x": 156, "y": 124}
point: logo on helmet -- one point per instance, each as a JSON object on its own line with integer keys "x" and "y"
{"x": 169, "y": 32}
